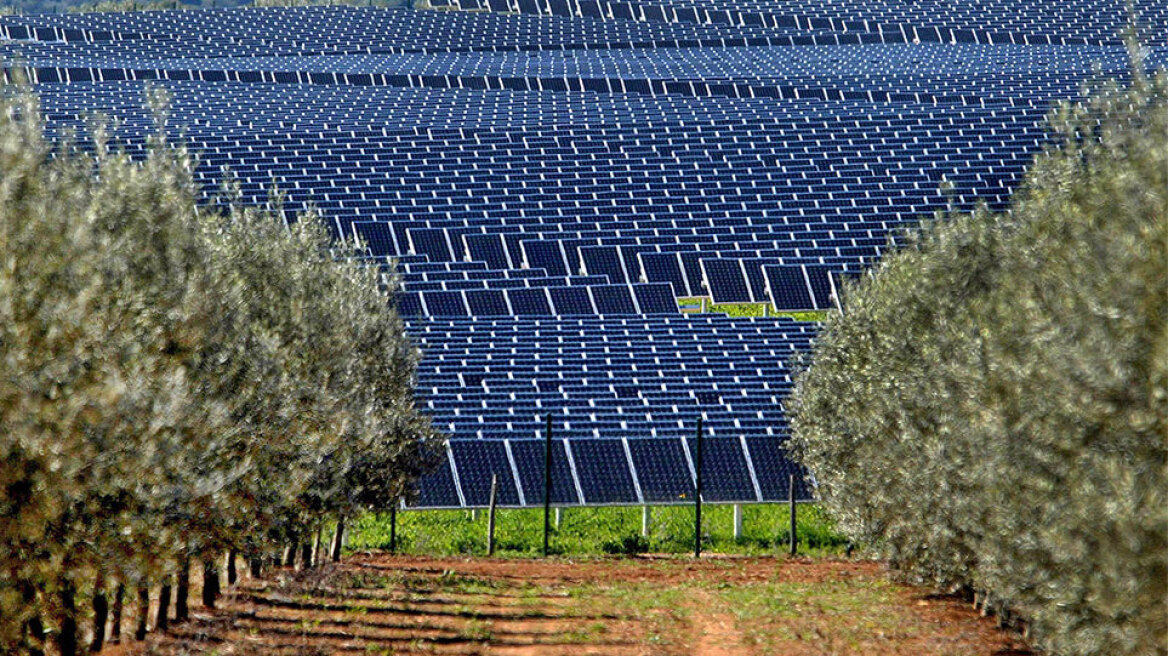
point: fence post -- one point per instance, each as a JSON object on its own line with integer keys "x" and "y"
{"x": 393, "y": 527}
{"x": 547, "y": 484}
{"x": 791, "y": 500}
{"x": 698, "y": 495}
{"x": 491, "y": 515}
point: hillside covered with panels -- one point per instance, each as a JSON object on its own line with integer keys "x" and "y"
{"x": 547, "y": 178}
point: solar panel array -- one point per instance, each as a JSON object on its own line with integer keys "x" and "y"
{"x": 547, "y": 177}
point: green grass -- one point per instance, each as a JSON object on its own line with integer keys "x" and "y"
{"x": 598, "y": 531}
{"x": 754, "y": 310}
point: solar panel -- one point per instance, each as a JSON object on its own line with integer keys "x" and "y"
{"x": 655, "y": 298}
{"x": 529, "y": 457}
{"x": 603, "y": 260}
{"x": 408, "y": 304}
{"x": 665, "y": 267}
{"x": 445, "y": 304}
{"x": 725, "y": 476}
{"x": 530, "y": 302}
{"x": 789, "y": 289}
{"x": 603, "y": 470}
{"x": 726, "y": 281}
{"x": 549, "y": 184}
{"x": 822, "y": 286}
{"x": 488, "y": 248}
{"x": 477, "y": 462}
{"x": 487, "y": 302}
{"x": 571, "y": 300}
{"x": 613, "y": 299}
{"x": 377, "y": 236}
{"x": 437, "y": 489}
{"x": 662, "y": 470}
{"x": 773, "y": 469}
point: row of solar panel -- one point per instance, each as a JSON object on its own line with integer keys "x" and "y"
{"x": 928, "y": 31}
{"x": 557, "y": 252}
{"x": 637, "y": 298}
{"x": 291, "y": 31}
{"x": 935, "y": 72}
{"x": 630, "y": 376}
{"x": 51, "y": 75}
{"x": 610, "y": 471}
{"x": 945, "y": 18}
{"x": 583, "y": 18}
{"x": 1106, "y": 17}
{"x": 786, "y": 288}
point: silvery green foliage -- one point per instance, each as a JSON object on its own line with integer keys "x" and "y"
{"x": 176, "y": 380}
{"x": 991, "y": 409}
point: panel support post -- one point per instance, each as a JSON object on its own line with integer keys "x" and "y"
{"x": 737, "y": 522}
{"x": 547, "y": 484}
{"x": 558, "y": 517}
{"x": 393, "y": 527}
{"x": 491, "y": 515}
{"x": 791, "y": 501}
{"x": 646, "y": 521}
{"x": 698, "y": 495}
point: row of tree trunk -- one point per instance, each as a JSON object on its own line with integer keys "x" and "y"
{"x": 109, "y": 599}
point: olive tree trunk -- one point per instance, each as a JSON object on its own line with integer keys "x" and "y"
{"x": 100, "y": 614}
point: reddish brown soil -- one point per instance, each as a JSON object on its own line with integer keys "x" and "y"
{"x": 382, "y": 604}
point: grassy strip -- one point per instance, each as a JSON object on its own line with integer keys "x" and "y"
{"x": 603, "y": 530}
{"x": 753, "y": 310}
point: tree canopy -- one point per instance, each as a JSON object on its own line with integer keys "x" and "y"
{"x": 990, "y": 408}
{"x": 177, "y": 380}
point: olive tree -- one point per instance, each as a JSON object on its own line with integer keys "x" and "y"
{"x": 177, "y": 381}
{"x": 990, "y": 409}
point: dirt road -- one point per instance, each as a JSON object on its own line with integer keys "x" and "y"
{"x": 380, "y": 604}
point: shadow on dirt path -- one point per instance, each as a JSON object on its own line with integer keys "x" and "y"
{"x": 380, "y": 604}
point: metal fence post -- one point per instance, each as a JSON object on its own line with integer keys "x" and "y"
{"x": 393, "y": 527}
{"x": 698, "y": 495}
{"x": 791, "y": 500}
{"x": 547, "y": 484}
{"x": 491, "y": 515}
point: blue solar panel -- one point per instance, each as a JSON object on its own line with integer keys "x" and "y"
{"x": 726, "y": 281}
{"x": 822, "y": 286}
{"x": 665, "y": 267}
{"x": 546, "y": 255}
{"x": 725, "y": 476}
{"x": 529, "y": 457}
{"x": 488, "y": 248}
{"x": 603, "y": 469}
{"x": 603, "y": 260}
{"x": 789, "y": 288}
{"x": 749, "y": 150}
{"x": 433, "y": 243}
{"x": 487, "y": 302}
{"x": 773, "y": 469}
{"x": 571, "y": 300}
{"x": 530, "y": 302}
{"x": 436, "y": 489}
{"x": 445, "y": 304}
{"x": 377, "y": 236}
{"x": 408, "y": 304}
{"x": 477, "y": 461}
{"x": 662, "y": 470}
{"x": 655, "y": 298}
{"x": 613, "y": 299}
